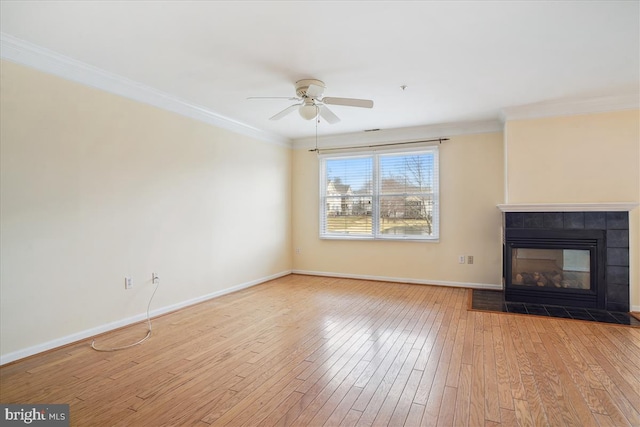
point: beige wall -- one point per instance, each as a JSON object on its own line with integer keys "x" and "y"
{"x": 574, "y": 159}
{"x": 96, "y": 187}
{"x": 578, "y": 159}
{"x": 471, "y": 185}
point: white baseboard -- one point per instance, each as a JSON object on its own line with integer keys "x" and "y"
{"x": 402, "y": 280}
{"x": 635, "y": 308}
{"x": 59, "y": 342}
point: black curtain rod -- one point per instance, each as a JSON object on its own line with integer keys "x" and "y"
{"x": 439, "y": 140}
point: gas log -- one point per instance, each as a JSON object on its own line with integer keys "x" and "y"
{"x": 547, "y": 278}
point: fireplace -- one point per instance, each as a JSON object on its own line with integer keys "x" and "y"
{"x": 572, "y": 259}
{"x": 559, "y": 267}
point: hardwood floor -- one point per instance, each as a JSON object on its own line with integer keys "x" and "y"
{"x": 312, "y": 351}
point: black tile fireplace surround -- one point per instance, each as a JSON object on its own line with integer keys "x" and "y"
{"x": 604, "y": 234}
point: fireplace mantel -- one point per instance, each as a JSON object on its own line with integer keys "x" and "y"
{"x": 569, "y": 207}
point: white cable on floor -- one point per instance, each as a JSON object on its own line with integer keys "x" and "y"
{"x": 157, "y": 281}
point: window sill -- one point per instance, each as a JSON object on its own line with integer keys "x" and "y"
{"x": 380, "y": 239}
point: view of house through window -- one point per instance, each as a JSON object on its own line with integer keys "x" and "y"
{"x": 380, "y": 195}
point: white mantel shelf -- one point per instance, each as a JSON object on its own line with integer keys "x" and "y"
{"x": 568, "y": 207}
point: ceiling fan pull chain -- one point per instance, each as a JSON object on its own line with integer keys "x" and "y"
{"x": 317, "y": 121}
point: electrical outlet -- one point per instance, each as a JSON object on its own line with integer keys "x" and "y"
{"x": 298, "y": 251}
{"x": 154, "y": 278}
{"x": 470, "y": 259}
{"x": 128, "y": 283}
{"x": 461, "y": 259}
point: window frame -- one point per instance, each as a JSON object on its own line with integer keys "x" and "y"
{"x": 375, "y": 155}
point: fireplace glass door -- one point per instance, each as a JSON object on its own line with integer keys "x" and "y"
{"x": 555, "y": 267}
{"x": 551, "y": 268}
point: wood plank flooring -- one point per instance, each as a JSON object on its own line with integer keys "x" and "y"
{"x": 313, "y": 351}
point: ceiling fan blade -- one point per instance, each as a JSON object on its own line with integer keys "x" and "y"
{"x": 349, "y": 102}
{"x": 328, "y": 115}
{"x": 314, "y": 91}
{"x": 286, "y": 111}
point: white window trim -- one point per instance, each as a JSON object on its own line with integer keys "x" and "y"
{"x": 375, "y": 214}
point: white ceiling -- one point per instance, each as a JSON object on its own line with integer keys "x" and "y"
{"x": 461, "y": 61}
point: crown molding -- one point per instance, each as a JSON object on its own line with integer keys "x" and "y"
{"x": 400, "y": 134}
{"x": 34, "y": 56}
{"x": 630, "y": 101}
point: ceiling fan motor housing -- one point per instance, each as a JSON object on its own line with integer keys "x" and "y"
{"x": 303, "y": 85}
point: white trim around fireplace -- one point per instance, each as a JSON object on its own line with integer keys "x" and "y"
{"x": 569, "y": 207}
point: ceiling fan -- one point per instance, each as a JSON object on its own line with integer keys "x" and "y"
{"x": 311, "y": 103}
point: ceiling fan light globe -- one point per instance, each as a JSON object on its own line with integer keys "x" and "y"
{"x": 308, "y": 112}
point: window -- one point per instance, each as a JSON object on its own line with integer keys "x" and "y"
{"x": 382, "y": 195}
